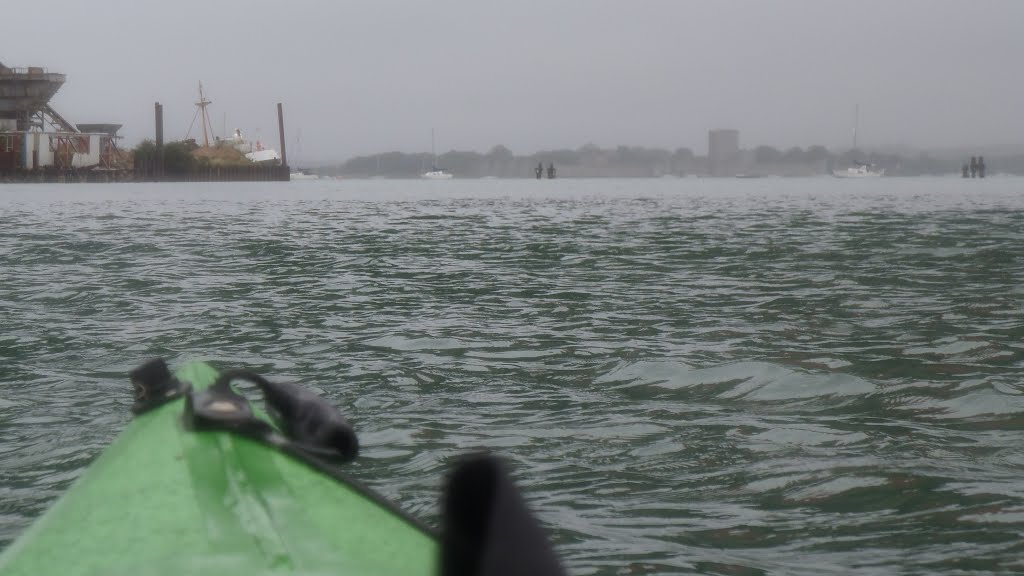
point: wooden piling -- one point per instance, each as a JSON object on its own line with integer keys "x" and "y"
{"x": 159, "y": 111}
{"x": 280, "y": 129}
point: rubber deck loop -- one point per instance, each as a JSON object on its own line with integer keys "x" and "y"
{"x": 154, "y": 386}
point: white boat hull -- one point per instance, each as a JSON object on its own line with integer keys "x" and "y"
{"x": 859, "y": 172}
{"x": 302, "y": 176}
{"x": 263, "y": 155}
{"x": 437, "y": 175}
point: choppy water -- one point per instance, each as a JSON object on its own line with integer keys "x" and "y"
{"x": 719, "y": 377}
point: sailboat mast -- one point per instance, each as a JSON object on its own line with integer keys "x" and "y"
{"x": 204, "y": 116}
{"x": 856, "y": 124}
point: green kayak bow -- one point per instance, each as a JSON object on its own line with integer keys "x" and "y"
{"x": 200, "y": 482}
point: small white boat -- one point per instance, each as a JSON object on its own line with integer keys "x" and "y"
{"x": 303, "y": 175}
{"x": 859, "y": 171}
{"x": 436, "y": 174}
{"x": 263, "y": 155}
{"x": 256, "y": 153}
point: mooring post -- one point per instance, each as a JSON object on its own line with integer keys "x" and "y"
{"x": 159, "y": 168}
{"x": 280, "y": 129}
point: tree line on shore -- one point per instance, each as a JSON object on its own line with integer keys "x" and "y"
{"x": 634, "y": 161}
{"x": 184, "y": 156}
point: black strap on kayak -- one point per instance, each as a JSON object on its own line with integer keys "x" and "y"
{"x": 311, "y": 425}
{"x": 318, "y": 436}
{"x": 487, "y": 528}
{"x": 219, "y": 407}
{"x": 154, "y": 386}
{"x": 305, "y": 417}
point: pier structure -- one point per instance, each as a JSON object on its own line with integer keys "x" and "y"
{"x": 35, "y": 137}
{"x": 38, "y": 144}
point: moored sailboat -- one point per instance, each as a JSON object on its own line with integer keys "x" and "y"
{"x": 435, "y": 173}
{"x": 859, "y": 169}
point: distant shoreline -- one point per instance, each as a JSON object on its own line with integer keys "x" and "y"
{"x": 639, "y": 162}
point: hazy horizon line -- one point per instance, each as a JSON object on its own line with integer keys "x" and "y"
{"x": 991, "y": 149}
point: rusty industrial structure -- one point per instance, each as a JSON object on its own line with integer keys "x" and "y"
{"x": 34, "y": 137}
{"x": 38, "y": 144}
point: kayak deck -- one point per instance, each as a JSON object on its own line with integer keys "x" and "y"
{"x": 166, "y": 500}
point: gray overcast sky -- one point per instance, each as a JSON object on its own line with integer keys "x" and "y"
{"x": 365, "y": 76}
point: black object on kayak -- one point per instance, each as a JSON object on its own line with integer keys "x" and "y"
{"x": 154, "y": 385}
{"x": 308, "y": 418}
{"x": 310, "y": 424}
{"x": 221, "y": 408}
{"x": 487, "y": 528}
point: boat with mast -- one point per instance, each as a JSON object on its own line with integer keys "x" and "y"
{"x": 859, "y": 169}
{"x": 254, "y": 152}
{"x": 301, "y": 173}
{"x": 435, "y": 173}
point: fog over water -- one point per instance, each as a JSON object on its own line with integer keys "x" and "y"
{"x": 365, "y": 77}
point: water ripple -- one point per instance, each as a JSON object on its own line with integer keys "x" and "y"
{"x": 792, "y": 377}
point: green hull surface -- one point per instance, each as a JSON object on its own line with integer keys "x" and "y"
{"x": 166, "y": 500}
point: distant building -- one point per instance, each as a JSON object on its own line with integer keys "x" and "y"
{"x": 723, "y": 152}
{"x": 33, "y": 135}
